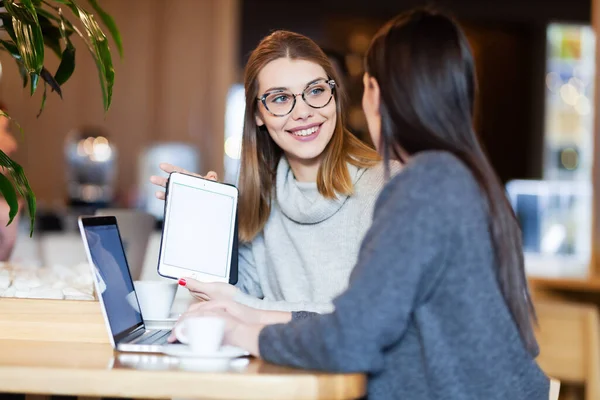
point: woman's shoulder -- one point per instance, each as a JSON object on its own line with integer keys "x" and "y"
{"x": 438, "y": 165}
{"x": 376, "y": 175}
{"x": 436, "y": 174}
{"x": 394, "y": 167}
{"x": 438, "y": 159}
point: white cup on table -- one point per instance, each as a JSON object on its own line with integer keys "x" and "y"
{"x": 155, "y": 298}
{"x": 203, "y": 335}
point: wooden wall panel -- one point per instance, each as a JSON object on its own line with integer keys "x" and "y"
{"x": 180, "y": 59}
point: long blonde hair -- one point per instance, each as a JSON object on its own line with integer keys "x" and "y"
{"x": 260, "y": 154}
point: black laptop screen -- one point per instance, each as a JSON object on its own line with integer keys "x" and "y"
{"x": 114, "y": 281}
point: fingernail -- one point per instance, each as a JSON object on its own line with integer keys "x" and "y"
{"x": 182, "y": 282}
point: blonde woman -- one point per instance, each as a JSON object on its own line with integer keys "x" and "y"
{"x": 307, "y": 185}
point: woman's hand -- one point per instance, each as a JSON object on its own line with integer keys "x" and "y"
{"x": 243, "y": 313}
{"x": 242, "y": 323}
{"x": 238, "y": 311}
{"x": 209, "y": 291}
{"x": 230, "y": 322}
{"x": 168, "y": 168}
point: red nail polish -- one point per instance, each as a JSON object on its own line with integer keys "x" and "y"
{"x": 182, "y": 282}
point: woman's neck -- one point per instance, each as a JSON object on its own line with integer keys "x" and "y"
{"x": 304, "y": 170}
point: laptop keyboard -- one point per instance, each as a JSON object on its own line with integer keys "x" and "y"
{"x": 153, "y": 337}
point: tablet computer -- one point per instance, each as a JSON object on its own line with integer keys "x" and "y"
{"x": 199, "y": 236}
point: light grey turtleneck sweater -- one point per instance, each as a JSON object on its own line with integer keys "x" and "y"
{"x": 303, "y": 257}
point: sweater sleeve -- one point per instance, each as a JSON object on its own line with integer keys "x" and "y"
{"x": 251, "y": 293}
{"x": 403, "y": 251}
{"x": 248, "y": 281}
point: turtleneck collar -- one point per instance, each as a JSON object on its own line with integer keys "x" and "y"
{"x": 301, "y": 201}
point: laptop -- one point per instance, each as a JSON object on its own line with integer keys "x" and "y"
{"x": 114, "y": 285}
{"x": 135, "y": 228}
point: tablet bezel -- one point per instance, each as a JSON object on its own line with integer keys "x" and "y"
{"x": 169, "y": 271}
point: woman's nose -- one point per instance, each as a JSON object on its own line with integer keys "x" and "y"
{"x": 301, "y": 110}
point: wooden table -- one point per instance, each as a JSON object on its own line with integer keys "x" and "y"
{"x": 92, "y": 369}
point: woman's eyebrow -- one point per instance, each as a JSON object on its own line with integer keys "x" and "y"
{"x": 315, "y": 81}
{"x": 282, "y": 88}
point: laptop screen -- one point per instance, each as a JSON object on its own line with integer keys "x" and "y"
{"x": 114, "y": 281}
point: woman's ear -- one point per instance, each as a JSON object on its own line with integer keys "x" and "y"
{"x": 371, "y": 102}
{"x": 371, "y": 96}
{"x": 374, "y": 93}
{"x": 258, "y": 119}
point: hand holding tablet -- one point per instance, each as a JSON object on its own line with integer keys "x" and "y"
{"x": 199, "y": 231}
{"x": 169, "y": 168}
{"x": 209, "y": 291}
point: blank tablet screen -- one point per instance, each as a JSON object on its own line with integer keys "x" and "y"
{"x": 198, "y": 230}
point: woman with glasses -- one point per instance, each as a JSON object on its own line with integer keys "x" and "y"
{"x": 307, "y": 185}
{"x": 438, "y": 306}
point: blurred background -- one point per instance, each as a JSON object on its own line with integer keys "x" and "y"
{"x": 178, "y": 98}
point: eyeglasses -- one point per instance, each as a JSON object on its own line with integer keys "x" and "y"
{"x": 281, "y": 102}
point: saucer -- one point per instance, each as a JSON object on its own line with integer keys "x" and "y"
{"x": 183, "y": 351}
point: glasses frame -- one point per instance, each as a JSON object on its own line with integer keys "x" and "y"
{"x": 263, "y": 99}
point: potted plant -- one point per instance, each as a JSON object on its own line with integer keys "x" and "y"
{"x": 28, "y": 30}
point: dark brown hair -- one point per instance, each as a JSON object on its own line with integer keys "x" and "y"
{"x": 260, "y": 154}
{"x": 426, "y": 74}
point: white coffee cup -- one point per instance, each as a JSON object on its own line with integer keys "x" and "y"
{"x": 203, "y": 334}
{"x": 155, "y": 298}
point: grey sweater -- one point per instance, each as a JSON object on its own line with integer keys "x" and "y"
{"x": 423, "y": 316}
{"x": 304, "y": 256}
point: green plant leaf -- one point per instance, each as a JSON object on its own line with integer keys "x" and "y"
{"x": 18, "y": 11}
{"x": 67, "y": 65}
{"x": 19, "y": 180}
{"x": 10, "y": 195}
{"x": 21, "y": 184}
{"x": 28, "y": 33}
{"x": 4, "y": 114}
{"x": 11, "y": 48}
{"x": 31, "y": 27}
{"x": 53, "y": 18}
{"x": 49, "y": 79}
{"x": 40, "y": 11}
{"x": 98, "y": 46}
{"x": 43, "y": 100}
{"x": 7, "y": 25}
{"x": 23, "y": 72}
{"x": 66, "y": 29}
{"x": 34, "y": 81}
{"x": 53, "y": 44}
{"x": 110, "y": 24}
{"x": 67, "y": 59}
{"x": 52, "y": 34}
